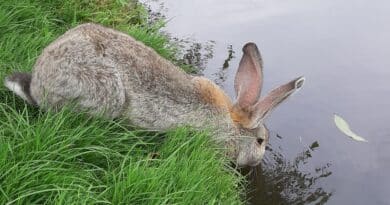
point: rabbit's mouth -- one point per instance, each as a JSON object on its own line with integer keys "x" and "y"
{"x": 254, "y": 164}
{"x": 249, "y": 163}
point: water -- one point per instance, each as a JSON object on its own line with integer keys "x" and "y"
{"x": 343, "y": 49}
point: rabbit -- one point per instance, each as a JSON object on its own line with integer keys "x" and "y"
{"x": 104, "y": 71}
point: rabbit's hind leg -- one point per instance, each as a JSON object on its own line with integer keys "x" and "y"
{"x": 99, "y": 91}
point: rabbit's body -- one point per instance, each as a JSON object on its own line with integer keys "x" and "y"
{"x": 105, "y": 71}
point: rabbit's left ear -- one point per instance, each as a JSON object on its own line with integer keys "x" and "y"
{"x": 249, "y": 77}
{"x": 275, "y": 97}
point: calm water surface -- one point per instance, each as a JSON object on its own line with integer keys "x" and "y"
{"x": 343, "y": 49}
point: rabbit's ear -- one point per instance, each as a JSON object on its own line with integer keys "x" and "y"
{"x": 249, "y": 77}
{"x": 275, "y": 97}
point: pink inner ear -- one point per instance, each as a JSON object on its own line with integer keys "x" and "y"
{"x": 249, "y": 77}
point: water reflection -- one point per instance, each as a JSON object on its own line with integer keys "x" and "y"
{"x": 280, "y": 181}
{"x": 221, "y": 72}
{"x": 155, "y": 14}
{"x": 194, "y": 53}
{"x": 229, "y": 58}
{"x": 190, "y": 52}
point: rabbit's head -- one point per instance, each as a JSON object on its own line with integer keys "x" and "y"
{"x": 249, "y": 110}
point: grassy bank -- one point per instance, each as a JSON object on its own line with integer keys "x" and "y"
{"x": 69, "y": 158}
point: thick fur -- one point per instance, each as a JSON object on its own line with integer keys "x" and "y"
{"x": 107, "y": 72}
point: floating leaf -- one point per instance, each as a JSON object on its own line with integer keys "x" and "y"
{"x": 344, "y": 127}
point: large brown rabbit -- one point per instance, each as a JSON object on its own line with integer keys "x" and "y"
{"x": 106, "y": 71}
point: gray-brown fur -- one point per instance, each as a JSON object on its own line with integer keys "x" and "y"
{"x": 108, "y": 72}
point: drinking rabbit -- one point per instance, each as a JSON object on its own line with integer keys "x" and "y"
{"x": 104, "y": 71}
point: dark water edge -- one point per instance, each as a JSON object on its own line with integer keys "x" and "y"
{"x": 342, "y": 48}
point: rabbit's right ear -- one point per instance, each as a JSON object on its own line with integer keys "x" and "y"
{"x": 249, "y": 77}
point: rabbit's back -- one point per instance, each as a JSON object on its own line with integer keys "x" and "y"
{"x": 106, "y": 71}
{"x": 78, "y": 67}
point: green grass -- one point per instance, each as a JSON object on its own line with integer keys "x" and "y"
{"x": 69, "y": 158}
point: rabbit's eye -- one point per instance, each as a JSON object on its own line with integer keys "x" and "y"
{"x": 259, "y": 140}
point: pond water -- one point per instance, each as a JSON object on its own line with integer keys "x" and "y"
{"x": 343, "y": 50}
